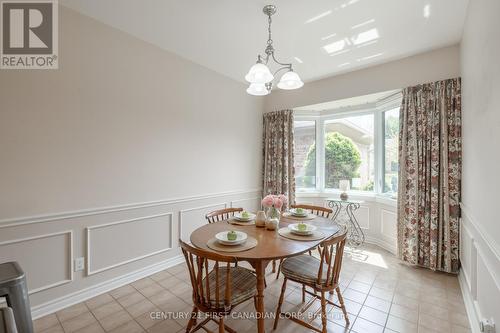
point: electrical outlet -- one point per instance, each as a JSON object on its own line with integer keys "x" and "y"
{"x": 79, "y": 264}
{"x": 487, "y": 326}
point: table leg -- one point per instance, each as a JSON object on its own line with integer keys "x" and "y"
{"x": 260, "y": 270}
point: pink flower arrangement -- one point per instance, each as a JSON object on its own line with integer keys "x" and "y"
{"x": 276, "y": 201}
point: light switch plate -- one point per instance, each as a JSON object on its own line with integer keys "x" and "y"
{"x": 79, "y": 264}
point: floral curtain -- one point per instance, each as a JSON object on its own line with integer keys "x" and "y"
{"x": 279, "y": 174}
{"x": 430, "y": 159}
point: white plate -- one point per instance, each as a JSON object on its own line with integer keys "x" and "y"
{"x": 294, "y": 228}
{"x": 251, "y": 217}
{"x": 221, "y": 237}
{"x": 294, "y": 212}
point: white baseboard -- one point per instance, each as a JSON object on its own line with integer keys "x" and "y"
{"x": 87, "y": 293}
{"x": 382, "y": 243}
{"x": 470, "y": 308}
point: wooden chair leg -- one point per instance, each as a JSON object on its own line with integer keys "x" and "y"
{"x": 274, "y": 266}
{"x": 303, "y": 293}
{"x": 280, "y": 303}
{"x": 201, "y": 325}
{"x": 323, "y": 312}
{"x": 342, "y": 305}
{"x": 221, "y": 325}
{"x": 192, "y": 320}
{"x": 279, "y": 270}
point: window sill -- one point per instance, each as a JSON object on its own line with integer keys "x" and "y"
{"x": 364, "y": 196}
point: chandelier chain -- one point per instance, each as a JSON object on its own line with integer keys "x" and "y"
{"x": 269, "y": 20}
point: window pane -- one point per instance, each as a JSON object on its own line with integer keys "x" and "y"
{"x": 305, "y": 154}
{"x": 391, "y": 132}
{"x": 349, "y": 152}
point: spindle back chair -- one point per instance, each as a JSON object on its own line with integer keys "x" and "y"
{"x": 222, "y": 214}
{"x": 217, "y": 286}
{"x": 321, "y": 275}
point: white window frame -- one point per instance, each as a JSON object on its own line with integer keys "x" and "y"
{"x": 376, "y": 109}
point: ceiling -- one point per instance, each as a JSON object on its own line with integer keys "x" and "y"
{"x": 321, "y": 37}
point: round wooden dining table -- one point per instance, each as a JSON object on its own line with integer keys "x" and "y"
{"x": 270, "y": 246}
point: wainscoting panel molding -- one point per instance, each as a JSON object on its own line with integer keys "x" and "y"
{"x": 363, "y": 217}
{"x": 41, "y": 258}
{"x": 376, "y": 216}
{"x": 120, "y": 244}
{"x": 141, "y": 233}
{"x": 480, "y": 272}
{"x": 388, "y": 224}
{"x": 103, "y": 287}
{"x": 186, "y": 229}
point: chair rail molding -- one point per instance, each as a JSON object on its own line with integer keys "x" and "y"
{"x": 12, "y": 222}
{"x": 231, "y": 204}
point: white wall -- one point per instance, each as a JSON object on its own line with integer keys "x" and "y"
{"x": 114, "y": 156}
{"x": 480, "y": 229}
{"x": 431, "y": 66}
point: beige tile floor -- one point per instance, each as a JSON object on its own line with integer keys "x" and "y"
{"x": 381, "y": 294}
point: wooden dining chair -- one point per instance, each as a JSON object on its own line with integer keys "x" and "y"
{"x": 321, "y": 275}
{"x": 222, "y": 214}
{"x": 316, "y": 210}
{"x": 217, "y": 287}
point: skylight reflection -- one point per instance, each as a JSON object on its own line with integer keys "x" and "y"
{"x": 427, "y": 11}
{"x": 345, "y": 4}
{"x": 328, "y": 37}
{"x": 370, "y": 57}
{"x": 315, "y": 18}
{"x": 363, "y": 24}
{"x": 335, "y": 46}
{"x": 365, "y": 36}
{"x": 339, "y": 52}
{"x": 366, "y": 44}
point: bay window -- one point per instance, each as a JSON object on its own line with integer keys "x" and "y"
{"x": 304, "y": 153}
{"x": 348, "y": 152}
{"x": 390, "y": 167}
{"x": 359, "y": 146}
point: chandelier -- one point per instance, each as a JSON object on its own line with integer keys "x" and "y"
{"x": 259, "y": 75}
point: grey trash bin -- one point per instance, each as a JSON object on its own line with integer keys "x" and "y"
{"x": 13, "y": 287}
{"x": 7, "y": 323}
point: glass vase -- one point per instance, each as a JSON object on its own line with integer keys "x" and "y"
{"x": 273, "y": 213}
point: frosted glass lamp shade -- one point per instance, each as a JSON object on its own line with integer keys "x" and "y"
{"x": 290, "y": 80}
{"x": 259, "y": 73}
{"x": 257, "y": 89}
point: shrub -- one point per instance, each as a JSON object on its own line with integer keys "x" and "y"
{"x": 342, "y": 159}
